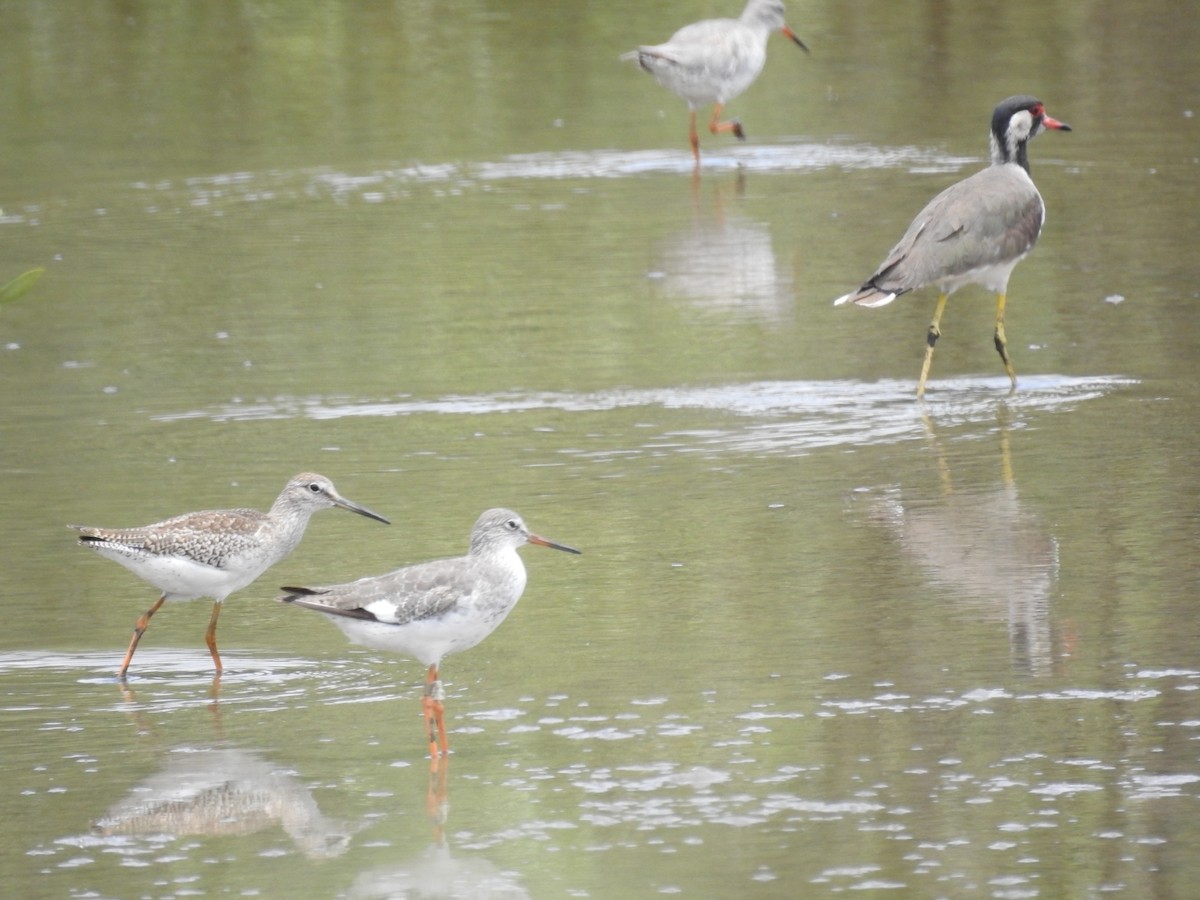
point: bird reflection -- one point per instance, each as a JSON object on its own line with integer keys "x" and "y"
{"x": 988, "y": 549}
{"x": 222, "y": 791}
{"x": 436, "y": 872}
{"x": 129, "y": 695}
{"x": 146, "y": 725}
{"x": 724, "y": 262}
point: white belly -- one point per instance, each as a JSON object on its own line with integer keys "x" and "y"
{"x": 425, "y": 640}
{"x": 994, "y": 278}
{"x": 180, "y": 578}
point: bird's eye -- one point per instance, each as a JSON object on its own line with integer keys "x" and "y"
{"x": 315, "y": 487}
{"x": 511, "y": 524}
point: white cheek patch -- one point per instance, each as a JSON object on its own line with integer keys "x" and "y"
{"x": 1020, "y": 125}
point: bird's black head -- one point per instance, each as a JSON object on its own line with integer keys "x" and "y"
{"x": 1015, "y": 122}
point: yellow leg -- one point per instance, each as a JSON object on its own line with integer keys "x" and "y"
{"x": 138, "y": 630}
{"x": 1006, "y": 470}
{"x": 210, "y": 636}
{"x": 934, "y": 333}
{"x": 1002, "y": 341}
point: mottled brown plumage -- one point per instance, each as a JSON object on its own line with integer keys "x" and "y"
{"x": 213, "y": 553}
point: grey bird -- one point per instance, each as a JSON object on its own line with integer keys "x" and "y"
{"x": 433, "y": 609}
{"x": 973, "y": 232}
{"x": 714, "y": 61}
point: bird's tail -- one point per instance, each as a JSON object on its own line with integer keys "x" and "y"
{"x": 300, "y": 596}
{"x": 868, "y": 295}
{"x": 295, "y": 593}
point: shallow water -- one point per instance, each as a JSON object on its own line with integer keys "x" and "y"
{"x": 822, "y": 638}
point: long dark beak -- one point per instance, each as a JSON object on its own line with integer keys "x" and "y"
{"x": 799, "y": 43}
{"x": 355, "y": 508}
{"x": 542, "y": 542}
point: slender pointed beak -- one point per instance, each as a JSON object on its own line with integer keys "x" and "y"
{"x": 1051, "y": 122}
{"x": 799, "y": 43}
{"x": 542, "y": 542}
{"x": 355, "y": 508}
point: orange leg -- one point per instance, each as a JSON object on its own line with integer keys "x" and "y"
{"x": 138, "y": 630}
{"x": 210, "y": 637}
{"x": 437, "y": 798}
{"x": 716, "y": 126}
{"x": 434, "y": 711}
{"x": 693, "y": 137}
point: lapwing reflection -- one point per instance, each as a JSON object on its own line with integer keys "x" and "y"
{"x": 984, "y": 547}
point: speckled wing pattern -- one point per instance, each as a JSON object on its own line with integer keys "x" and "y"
{"x": 210, "y": 537}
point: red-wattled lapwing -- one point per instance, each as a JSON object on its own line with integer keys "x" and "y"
{"x": 973, "y": 232}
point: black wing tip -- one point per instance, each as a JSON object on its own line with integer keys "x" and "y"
{"x": 295, "y": 593}
{"x": 299, "y": 595}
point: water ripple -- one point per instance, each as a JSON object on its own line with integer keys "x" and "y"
{"x": 789, "y": 416}
{"x": 212, "y": 192}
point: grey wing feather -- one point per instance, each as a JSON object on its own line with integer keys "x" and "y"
{"x": 977, "y": 222}
{"x": 299, "y": 597}
{"x": 701, "y": 48}
{"x": 412, "y": 593}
